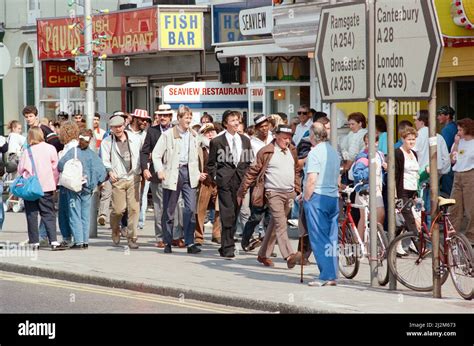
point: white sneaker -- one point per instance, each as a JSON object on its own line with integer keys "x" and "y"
{"x": 412, "y": 247}
{"x": 400, "y": 251}
{"x": 293, "y": 222}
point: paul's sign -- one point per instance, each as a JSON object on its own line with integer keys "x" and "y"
{"x": 126, "y": 32}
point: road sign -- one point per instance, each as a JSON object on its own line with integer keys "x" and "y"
{"x": 342, "y": 51}
{"x": 408, "y": 47}
{"x": 5, "y": 59}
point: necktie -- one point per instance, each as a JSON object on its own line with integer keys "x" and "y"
{"x": 235, "y": 152}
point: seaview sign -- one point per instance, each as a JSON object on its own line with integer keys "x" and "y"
{"x": 256, "y": 21}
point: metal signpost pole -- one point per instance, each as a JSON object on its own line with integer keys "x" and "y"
{"x": 372, "y": 150}
{"x": 333, "y": 113}
{"x": 90, "y": 102}
{"x": 391, "y": 181}
{"x": 434, "y": 181}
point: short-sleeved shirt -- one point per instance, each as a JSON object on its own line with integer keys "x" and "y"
{"x": 323, "y": 159}
{"x": 449, "y": 133}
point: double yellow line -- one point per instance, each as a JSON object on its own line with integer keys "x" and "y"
{"x": 128, "y": 295}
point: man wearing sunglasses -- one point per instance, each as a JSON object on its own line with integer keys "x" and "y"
{"x": 305, "y": 123}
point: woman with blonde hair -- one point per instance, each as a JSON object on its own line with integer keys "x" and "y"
{"x": 43, "y": 157}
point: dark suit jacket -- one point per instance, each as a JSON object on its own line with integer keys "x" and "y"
{"x": 151, "y": 138}
{"x": 221, "y": 167}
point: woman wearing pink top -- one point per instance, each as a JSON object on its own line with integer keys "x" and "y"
{"x": 46, "y": 161}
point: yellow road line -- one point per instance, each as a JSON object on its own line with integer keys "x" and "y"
{"x": 138, "y": 296}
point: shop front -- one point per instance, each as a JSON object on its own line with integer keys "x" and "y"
{"x": 278, "y": 72}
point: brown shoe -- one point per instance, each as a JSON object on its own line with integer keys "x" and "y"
{"x": 267, "y": 262}
{"x": 179, "y": 243}
{"x": 293, "y": 259}
{"x": 132, "y": 244}
{"x": 160, "y": 245}
{"x": 116, "y": 237}
{"x": 216, "y": 240}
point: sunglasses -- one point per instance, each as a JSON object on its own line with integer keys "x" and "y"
{"x": 302, "y": 113}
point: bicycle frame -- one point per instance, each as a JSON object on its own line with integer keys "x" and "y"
{"x": 347, "y": 207}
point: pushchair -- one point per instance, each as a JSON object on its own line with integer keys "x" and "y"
{"x": 10, "y": 167}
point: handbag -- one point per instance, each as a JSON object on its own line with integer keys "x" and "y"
{"x": 29, "y": 188}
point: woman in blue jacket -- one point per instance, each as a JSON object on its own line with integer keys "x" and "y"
{"x": 94, "y": 173}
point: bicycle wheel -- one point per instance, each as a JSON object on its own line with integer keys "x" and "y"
{"x": 348, "y": 258}
{"x": 414, "y": 269}
{"x": 382, "y": 249}
{"x": 461, "y": 266}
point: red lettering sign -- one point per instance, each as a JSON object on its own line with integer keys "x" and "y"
{"x": 127, "y": 33}
{"x": 56, "y": 75}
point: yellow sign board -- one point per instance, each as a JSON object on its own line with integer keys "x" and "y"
{"x": 181, "y": 31}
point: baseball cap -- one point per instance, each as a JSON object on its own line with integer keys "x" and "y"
{"x": 445, "y": 110}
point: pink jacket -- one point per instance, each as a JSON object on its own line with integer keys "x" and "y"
{"x": 46, "y": 162}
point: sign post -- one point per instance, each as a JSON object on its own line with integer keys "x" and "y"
{"x": 403, "y": 72}
{"x": 397, "y": 71}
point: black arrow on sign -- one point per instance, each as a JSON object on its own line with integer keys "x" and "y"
{"x": 433, "y": 36}
{"x": 323, "y": 81}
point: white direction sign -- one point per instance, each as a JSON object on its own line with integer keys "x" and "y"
{"x": 342, "y": 51}
{"x": 408, "y": 47}
{"x": 5, "y": 60}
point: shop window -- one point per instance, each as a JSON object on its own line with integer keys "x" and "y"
{"x": 255, "y": 69}
{"x": 464, "y": 100}
{"x": 289, "y": 69}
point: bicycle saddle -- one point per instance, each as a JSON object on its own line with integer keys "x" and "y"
{"x": 445, "y": 202}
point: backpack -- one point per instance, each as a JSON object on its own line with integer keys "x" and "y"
{"x": 71, "y": 176}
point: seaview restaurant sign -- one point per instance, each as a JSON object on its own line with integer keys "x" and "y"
{"x": 197, "y": 92}
{"x": 128, "y": 33}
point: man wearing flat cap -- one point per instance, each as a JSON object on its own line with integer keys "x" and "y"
{"x": 275, "y": 173}
{"x": 121, "y": 157}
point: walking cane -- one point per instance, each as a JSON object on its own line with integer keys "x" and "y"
{"x": 302, "y": 259}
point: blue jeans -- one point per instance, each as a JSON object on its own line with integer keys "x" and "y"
{"x": 79, "y": 215}
{"x": 63, "y": 214}
{"x": 322, "y": 213}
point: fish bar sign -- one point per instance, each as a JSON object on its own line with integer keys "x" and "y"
{"x": 181, "y": 31}
{"x": 56, "y": 75}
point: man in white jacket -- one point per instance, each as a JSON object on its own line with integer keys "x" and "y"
{"x": 176, "y": 161}
{"x": 121, "y": 157}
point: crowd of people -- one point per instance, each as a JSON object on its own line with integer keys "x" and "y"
{"x": 248, "y": 181}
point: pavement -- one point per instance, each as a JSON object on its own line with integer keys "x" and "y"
{"x": 206, "y": 277}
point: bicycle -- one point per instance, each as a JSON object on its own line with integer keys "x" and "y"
{"x": 455, "y": 254}
{"x": 351, "y": 243}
